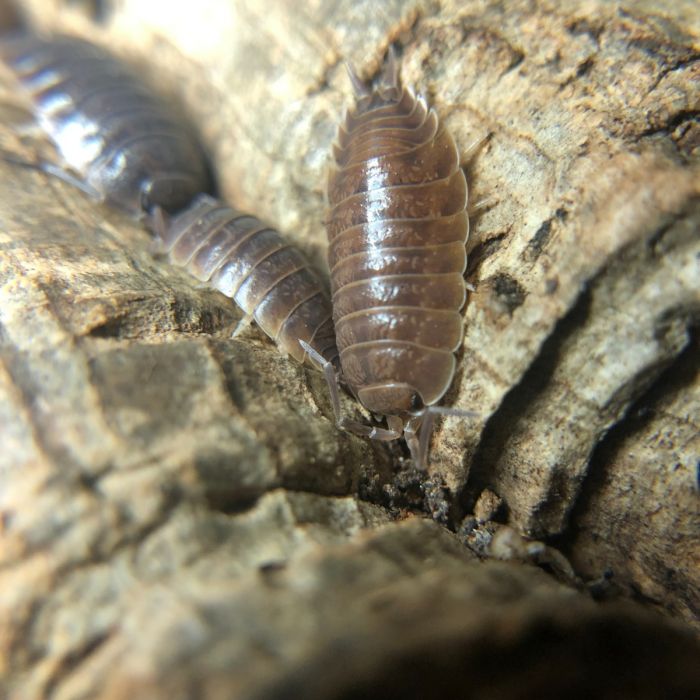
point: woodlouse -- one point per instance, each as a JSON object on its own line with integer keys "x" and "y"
{"x": 252, "y": 263}
{"x": 131, "y": 150}
{"x": 397, "y": 229}
{"x": 127, "y": 145}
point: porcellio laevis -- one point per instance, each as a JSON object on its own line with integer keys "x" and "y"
{"x": 127, "y": 145}
{"x": 253, "y": 264}
{"x": 397, "y": 229}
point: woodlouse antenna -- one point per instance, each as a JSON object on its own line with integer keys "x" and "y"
{"x": 341, "y": 421}
{"x": 56, "y": 171}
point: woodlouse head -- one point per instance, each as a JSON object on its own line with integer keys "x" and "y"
{"x": 390, "y": 399}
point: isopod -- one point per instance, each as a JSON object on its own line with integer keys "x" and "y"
{"x": 128, "y": 146}
{"x": 247, "y": 260}
{"x": 397, "y": 229}
{"x": 134, "y": 152}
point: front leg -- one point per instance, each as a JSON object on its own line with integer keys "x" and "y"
{"x": 343, "y": 422}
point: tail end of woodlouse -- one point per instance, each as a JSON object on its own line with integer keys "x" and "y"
{"x": 390, "y": 80}
{"x": 358, "y": 86}
{"x": 387, "y": 86}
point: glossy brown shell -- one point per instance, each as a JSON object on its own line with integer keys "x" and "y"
{"x": 128, "y": 146}
{"x": 397, "y": 229}
{"x": 254, "y": 265}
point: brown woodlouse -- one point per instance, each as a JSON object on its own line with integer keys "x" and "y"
{"x": 127, "y": 146}
{"x": 397, "y": 229}
{"x": 253, "y": 264}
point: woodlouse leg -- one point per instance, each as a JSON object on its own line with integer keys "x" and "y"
{"x": 481, "y": 205}
{"x": 157, "y": 221}
{"x": 417, "y": 446}
{"x": 474, "y": 147}
{"x": 486, "y": 202}
{"x": 242, "y": 326}
{"x": 329, "y": 372}
{"x": 370, "y": 431}
{"x": 343, "y": 422}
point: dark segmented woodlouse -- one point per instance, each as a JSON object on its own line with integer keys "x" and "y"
{"x": 253, "y": 264}
{"x": 131, "y": 150}
{"x": 397, "y": 230}
{"x": 126, "y": 144}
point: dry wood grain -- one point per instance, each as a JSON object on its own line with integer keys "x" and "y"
{"x": 154, "y": 533}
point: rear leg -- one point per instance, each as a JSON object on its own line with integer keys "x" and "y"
{"x": 474, "y": 147}
{"x": 474, "y": 208}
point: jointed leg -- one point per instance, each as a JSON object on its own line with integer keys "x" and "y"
{"x": 474, "y": 147}
{"x": 480, "y": 205}
{"x": 341, "y": 421}
{"x": 242, "y": 326}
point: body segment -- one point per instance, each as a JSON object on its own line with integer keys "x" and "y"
{"x": 267, "y": 277}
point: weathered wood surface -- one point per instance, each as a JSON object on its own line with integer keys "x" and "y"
{"x": 179, "y": 513}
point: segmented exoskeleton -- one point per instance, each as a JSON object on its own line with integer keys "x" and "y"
{"x": 127, "y": 145}
{"x": 133, "y": 151}
{"x": 253, "y": 264}
{"x": 397, "y": 229}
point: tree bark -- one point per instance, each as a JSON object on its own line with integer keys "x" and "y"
{"x": 180, "y": 516}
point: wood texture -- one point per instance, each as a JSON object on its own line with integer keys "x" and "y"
{"x": 179, "y": 513}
